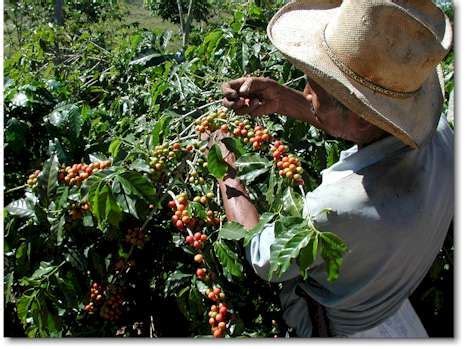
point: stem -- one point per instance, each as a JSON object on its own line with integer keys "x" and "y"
{"x": 100, "y": 47}
{"x": 302, "y": 191}
{"x": 172, "y": 194}
{"x": 15, "y": 189}
{"x": 152, "y": 328}
{"x": 294, "y": 80}
{"x": 187, "y": 24}
{"x": 180, "y": 13}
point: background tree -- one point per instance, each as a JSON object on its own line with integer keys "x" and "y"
{"x": 182, "y": 12}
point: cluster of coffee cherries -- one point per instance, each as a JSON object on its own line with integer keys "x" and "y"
{"x": 261, "y": 135}
{"x": 213, "y": 218}
{"x": 112, "y": 308}
{"x": 77, "y": 173}
{"x": 32, "y": 179}
{"x": 78, "y": 210}
{"x": 96, "y": 295}
{"x": 196, "y": 240}
{"x": 218, "y": 315}
{"x": 208, "y": 123}
{"x": 122, "y": 264}
{"x": 135, "y": 236}
{"x": 289, "y": 166}
{"x": 243, "y": 130}
{"x": 202, "y": 274}
{"x": 181, "y": 219}
{"x": 195, "y": 178}
{"x": 204, "y": 199}
{"x": 163, "y": 153}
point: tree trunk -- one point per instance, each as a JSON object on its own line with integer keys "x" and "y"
{"x": 185, "y": 21}
{"x": 58, "y": 18}
{"x": 180, "y": 13}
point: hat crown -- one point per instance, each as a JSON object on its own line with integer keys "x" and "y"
{"x": 392, "y": 44}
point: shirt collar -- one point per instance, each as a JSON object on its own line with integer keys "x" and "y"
{"x": 352, "y": 159}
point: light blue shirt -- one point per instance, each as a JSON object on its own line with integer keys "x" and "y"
{"x": 392, "y": 205}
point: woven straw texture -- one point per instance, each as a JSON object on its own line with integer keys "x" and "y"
{"x": 377, "y": 57}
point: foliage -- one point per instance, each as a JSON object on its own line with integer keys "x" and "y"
{"x": 116, "y": 94}
{"x": 169, "y": 10}
{"x": 107, "y": 115}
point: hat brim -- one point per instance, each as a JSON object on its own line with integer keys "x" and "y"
{"x": 296, "y": 30}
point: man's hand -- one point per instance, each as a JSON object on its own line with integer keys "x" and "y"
{"x": 252, "y": 95}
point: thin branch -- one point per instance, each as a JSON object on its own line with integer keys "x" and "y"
{"x": 294, "y": 80}
{"x": 15, "y": 189}
{"x": 180, "y": 12}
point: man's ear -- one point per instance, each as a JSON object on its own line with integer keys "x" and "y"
{"x": 311, "y": 96}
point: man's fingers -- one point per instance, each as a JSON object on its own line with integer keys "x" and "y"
{"x": 245, "y": 88}
{"x": 230, "y": 88}
{"x": 233, "y": 104}
{"x": 228, "y": 91}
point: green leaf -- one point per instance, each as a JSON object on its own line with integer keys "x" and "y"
{"x": 202, "y": 287}
{"x": 334, "y": 242}
{"x": 244, "y": 56}
{"x": 306, "y": 256}
{"x": 332, "y": 261}
{"x": 292, "y": 203}
{"x": 250, "y": 166}
{"x": 67, "y": 118}
{"x": 140, "y": 165}
{"x": 127, "y": 204}
{"x": 215, "y": 164}
{"x": 114, "y": 147}
{"x": 104, "y": 206}
{"x": 286, "y": 248}
{"x": 160, "y": 130}
{"x": 44, "y": 270}
{"x": 229, "y": 260}
{"x": 333, "y": 153}
{"x": 57, "y": 228}
{"x": 175, "y": 281}
{"x": 8, "y": 288}
{"x": 258, "y": 228}
{"x": 48, "y": 176}
{"x": 22, "y": 308}
{"x": 234, "y": 145}
{"x": 87, "y": 220}
{"x": 295, "y": 129}
{"x": 270, "y": 193}
{"x": 137, "y": 184}
{"x": 16, "y": 132}
{"x": 76, "y": 259}
{"x": 20, "y": 208}
{"x": 232, "y": 231}
{"x": 195, "y": 209}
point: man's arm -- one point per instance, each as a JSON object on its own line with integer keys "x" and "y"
{"x": 239, "y": 208}
{"x": 259, "y": 96}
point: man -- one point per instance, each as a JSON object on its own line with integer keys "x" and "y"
{"x": 372, "y": 80}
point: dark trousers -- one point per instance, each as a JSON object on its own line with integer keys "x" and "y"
{"x": 319, "y": 319}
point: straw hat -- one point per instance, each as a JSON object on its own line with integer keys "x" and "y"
{"x": 377, "y": 57}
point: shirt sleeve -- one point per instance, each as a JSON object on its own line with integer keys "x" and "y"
{"x": 258, "y": 255}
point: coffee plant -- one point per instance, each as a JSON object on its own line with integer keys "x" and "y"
{"x": 113, "y": 219}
